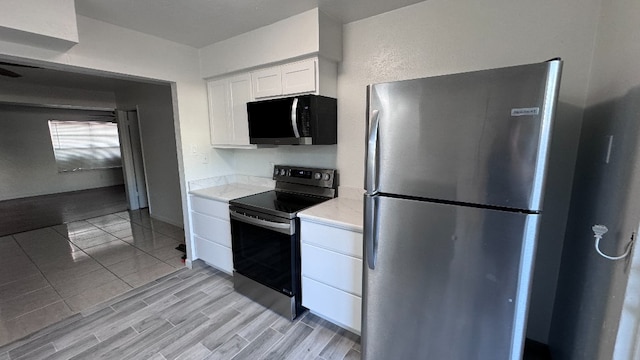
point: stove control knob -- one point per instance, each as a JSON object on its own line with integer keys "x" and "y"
{"x": 317, "y": 176}
{"x": 326, "y": 176}
{"x": 276, "y": 172}
{"x": 282, "y": 172}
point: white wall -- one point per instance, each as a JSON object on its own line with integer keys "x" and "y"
{"x": 27, "y": 160}
{"x": 260, "y": 162}
{"x": 23, "y": 93}
{"x": 155, "y": 114}
{"x": 49, "y": 23}
{"x": 617, "y": 50}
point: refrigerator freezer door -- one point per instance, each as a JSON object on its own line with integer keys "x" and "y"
{"x": 450, "y": 282}
{"x": 479, "y": 137}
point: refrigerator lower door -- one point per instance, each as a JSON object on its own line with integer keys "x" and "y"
{"x": 448, "y": 282}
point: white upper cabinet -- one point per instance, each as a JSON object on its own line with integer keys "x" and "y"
{"x": 288, "y": 79}
{"x": 299, "y": 77}
{"x": 228, "y": 96}
{"x": 267, "y": 82}
{"x": 228, "y": 99}
{"x": 218, "y": 122}
{"x": 240, "y": 95}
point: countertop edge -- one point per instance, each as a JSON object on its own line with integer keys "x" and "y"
{"x": 330, "y": 222}
{"x": 226, "y": 193}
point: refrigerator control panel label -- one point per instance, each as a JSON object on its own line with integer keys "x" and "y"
{"x": 525, "y": 111}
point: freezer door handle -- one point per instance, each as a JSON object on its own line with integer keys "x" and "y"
{"x": 372, "y": 154}
{"x": 370, "y": 234}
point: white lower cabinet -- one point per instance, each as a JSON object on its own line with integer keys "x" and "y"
{"x": 214, "y": 254}
{"x": 332, "y": 273}
{"x": 212, "y": 232}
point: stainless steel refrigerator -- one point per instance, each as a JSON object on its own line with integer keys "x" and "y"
{"x": 455, "y": 176}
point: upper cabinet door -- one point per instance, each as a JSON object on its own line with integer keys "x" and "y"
{"x": 299, "y": 77}
{"x": 267, "y": 82}
{"x": 288, "y": 79}
{"x": 218, "y": 110}
{"x": 239, "y": 96}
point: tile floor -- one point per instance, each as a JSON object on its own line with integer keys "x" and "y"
{"x": 51, "y": 273}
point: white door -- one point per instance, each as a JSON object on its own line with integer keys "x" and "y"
{"x": 132, "y": 160}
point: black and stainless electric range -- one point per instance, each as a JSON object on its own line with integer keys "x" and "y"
{"x": 265, "y": 233}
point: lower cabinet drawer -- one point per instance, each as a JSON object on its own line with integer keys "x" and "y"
{"x": 212, "y": 228}
{"x": 337, "y": 306}
{"x": 214, "y": 254}
{"x": 334, "y": 269}
{"x": 334, "y": 239}
{"x": 210, "y": 207}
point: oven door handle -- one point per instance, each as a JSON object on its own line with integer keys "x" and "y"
{"x": 285, "y": 228}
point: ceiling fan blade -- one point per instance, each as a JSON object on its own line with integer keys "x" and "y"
{"x": 9, "y": 73}
{"x": 19, "y": 65}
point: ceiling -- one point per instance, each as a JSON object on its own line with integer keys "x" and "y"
{"x": 199, "y": 23}
{"x": 33, "y": 75}
{"x": 196, "y": 23}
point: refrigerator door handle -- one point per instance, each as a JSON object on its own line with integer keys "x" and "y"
{"x": 369, "y": 231}
{"x": 372, "y": 154}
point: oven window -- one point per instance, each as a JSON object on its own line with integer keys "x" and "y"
{"x": 264, "y": 255}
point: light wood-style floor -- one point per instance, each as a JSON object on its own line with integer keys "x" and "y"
{"x": 189, "y": 314}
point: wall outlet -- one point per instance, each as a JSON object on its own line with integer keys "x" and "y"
{"x": 194, "y": 149}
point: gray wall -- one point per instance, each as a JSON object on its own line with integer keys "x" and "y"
{"x": 155, "y": 112}
{"x": 602, "y": 194}
{"x": 27, "y": 163}
{"x": 591, "y": 290}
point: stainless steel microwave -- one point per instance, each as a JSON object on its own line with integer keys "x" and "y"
{"x": 297, "y": 120}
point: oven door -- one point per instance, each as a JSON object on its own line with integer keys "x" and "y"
{"x": 265, "y": 249}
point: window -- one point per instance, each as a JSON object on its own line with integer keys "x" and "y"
{"x": 85, "y": 145}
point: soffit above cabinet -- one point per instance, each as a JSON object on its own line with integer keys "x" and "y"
{"x": 311, "y": 33}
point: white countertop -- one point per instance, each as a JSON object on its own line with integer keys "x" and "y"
{"x": 341, "y": 212}
{"x": 229, "y": 191}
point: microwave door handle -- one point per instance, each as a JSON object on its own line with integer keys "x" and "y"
{"x": 294, "y": 118}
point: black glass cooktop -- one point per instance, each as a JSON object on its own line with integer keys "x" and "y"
{"x": 278, "y": 203}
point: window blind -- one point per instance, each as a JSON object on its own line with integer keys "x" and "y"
{"x": 85, "y": 145}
